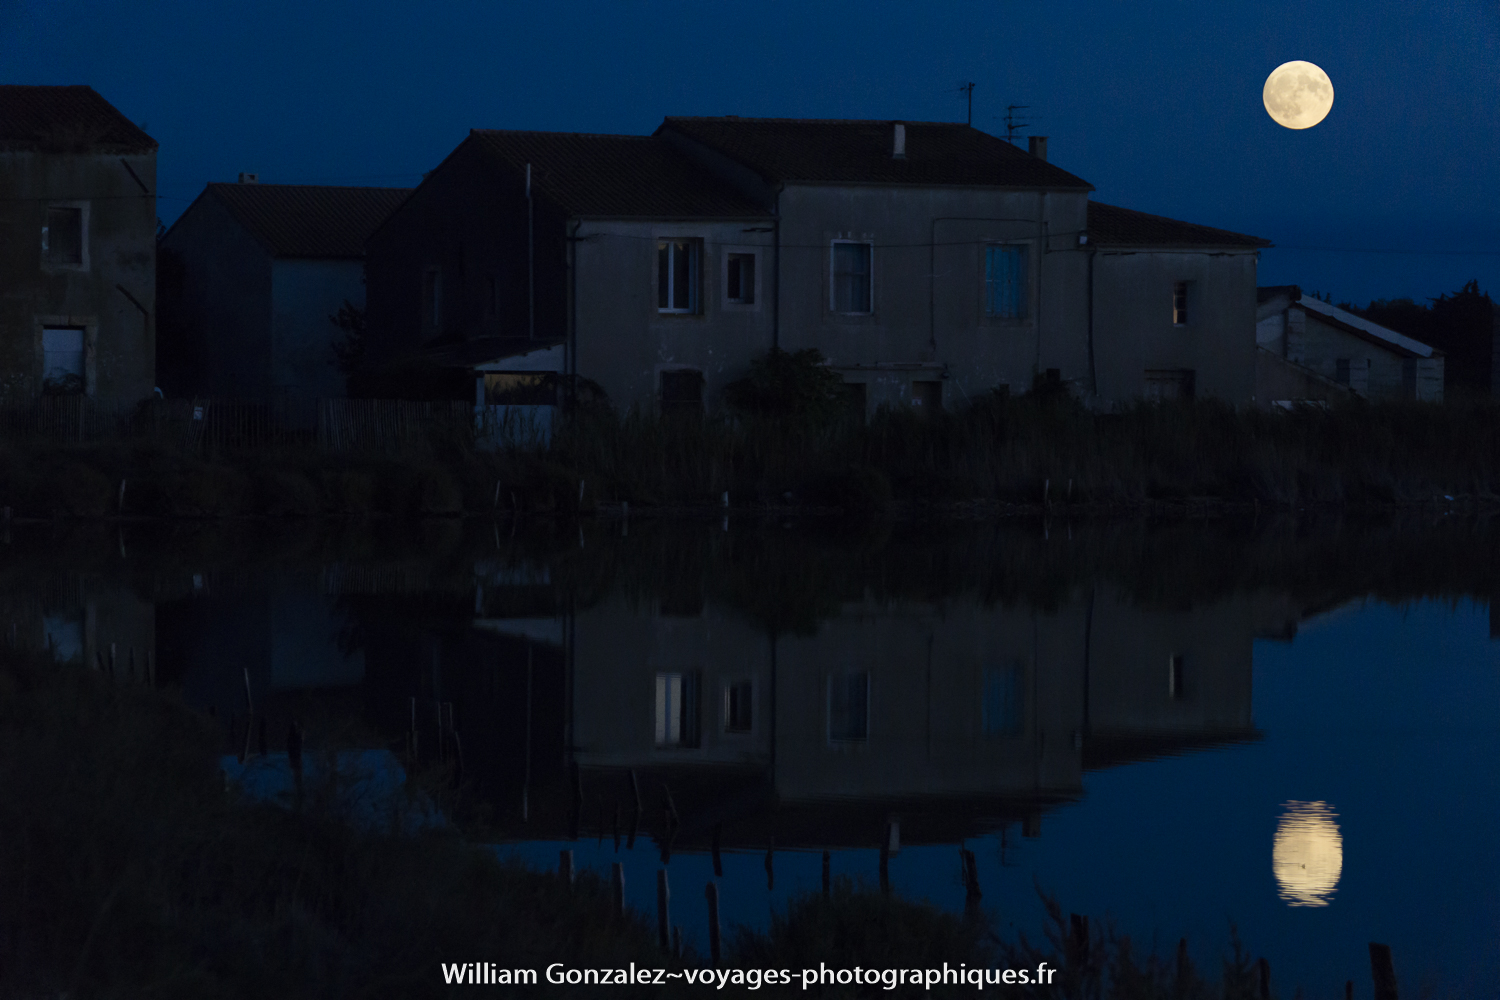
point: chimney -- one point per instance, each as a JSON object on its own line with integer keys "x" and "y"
{"x": 249, "y": 178}
{"x": 1037, "y": 146}
{"x": 898, "y": 151}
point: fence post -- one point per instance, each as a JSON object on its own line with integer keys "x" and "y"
{"x": 663, "y": 910}
{"x": 712, "y": 893}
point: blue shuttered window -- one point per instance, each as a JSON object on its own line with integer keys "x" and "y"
{"x": 1005, "y": 281}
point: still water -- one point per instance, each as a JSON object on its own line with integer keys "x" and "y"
{"x": 1285, "y": 728}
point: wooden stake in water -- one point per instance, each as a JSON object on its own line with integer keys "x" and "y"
{"x": 712, "y": 893}
{"x": 771, "y": 866}
{"x": 617, "y": 882}
{"x": 663, "y": 910}
{"x": 827, "y": 874}
{"x": 565, "y": 867}
{"x": 1382, "y": 971}
{"x": 718, "y": 861}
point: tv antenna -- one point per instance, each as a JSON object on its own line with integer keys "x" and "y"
{"x": 968, "y": 89}
{"x": 1013, "y": 124}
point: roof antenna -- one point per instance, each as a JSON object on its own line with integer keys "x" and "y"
{"x": 968, "y": 88}
{"x": 1013, "y": 124}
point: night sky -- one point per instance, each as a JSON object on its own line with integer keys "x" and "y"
{"x": 1158, "y": 104}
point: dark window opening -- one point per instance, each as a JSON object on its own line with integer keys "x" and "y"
{"x": 1005, "y": 282}
{"x": 849, "y": 707}
{"x": 1174, "y": 677}
{"x": 738, "y": 708}
{"x": 1003, "y": 700}
{"x": 1180, "y": 303}
{"x": 740, "y": 281}
{"x": 62, "y": 361}
{"x": 62, "y": 238}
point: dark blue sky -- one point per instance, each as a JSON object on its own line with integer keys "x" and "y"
{"x": 1156, "y": 103}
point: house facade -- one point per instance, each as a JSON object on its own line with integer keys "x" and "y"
{"x": 250, "y": 275}
{"x": 1336, "y": 353}
{"x": 1173, "y": 308}
{"x": 77, "y": 247}
{"x": 929, "y": 263}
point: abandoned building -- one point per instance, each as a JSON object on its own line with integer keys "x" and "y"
{"x": 77, "y": 247}
{"x": 250, "y": 277}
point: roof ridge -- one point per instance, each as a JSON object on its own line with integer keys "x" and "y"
{"x": 581, "y": 135}
{"x": 312, "y": 187}
{"x": 815, "y": 121}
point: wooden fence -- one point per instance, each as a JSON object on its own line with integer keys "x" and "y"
{"x": 335, "y": 425}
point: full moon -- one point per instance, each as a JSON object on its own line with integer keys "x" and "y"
{"x": 1308, "y": 855}
{"x": 1298, "y": 94}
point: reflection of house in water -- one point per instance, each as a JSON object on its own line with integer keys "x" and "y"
{"x": 955, "y": 717}
{"x": 84, "y": 623}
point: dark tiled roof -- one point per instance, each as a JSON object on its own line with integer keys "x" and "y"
{"x": 1265, "y": 293}
{"x": 66, "y": 120}
{"x": 615, "y": 175}
{"x": 855, "y": 152}
{"x": 301, "y": 220}
{"x": 1112, "y": 225}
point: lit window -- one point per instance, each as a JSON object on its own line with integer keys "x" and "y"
{"x": 851, "y": 278}
{"x": 677, "y": 276}
{"x": 1180, "y": 303}
{"x": 739, "y": 282}
{"x": 1005, "y": 282}
{"x": 849, "y": 707}
{"x": 62, "y": 235}
{"x": 738, "y": 711}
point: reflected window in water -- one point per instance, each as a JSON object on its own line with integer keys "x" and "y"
{"x": 849, "y": 707}
{"x": 64, "y": 638}
{"x": 1002, "y": 702}
{"x": 1308, "y": 855}
{"x": 677, "y": 710}
{"x": 738, "y": 713}
{"x": 1175, "y": 689}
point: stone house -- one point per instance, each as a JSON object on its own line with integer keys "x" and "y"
{"x": 77, "y": 247}
{"x": 250, "y": 276}
{"x": 930, "y": 263}
{"x": 1172, "y": 306}
{"x": 1308, "y": 349}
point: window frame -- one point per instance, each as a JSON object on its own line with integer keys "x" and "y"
{"x": 1024, "y": 301}
{"x": 758, "y": 284}
{"x": 1182, "y": 303}
{"x": 833, "y": 277}
{"x": 84, "y": 224}
{"x": 862, "y": 738}
{"x": 731, "y": 685}
{"x": 695, "y": 275}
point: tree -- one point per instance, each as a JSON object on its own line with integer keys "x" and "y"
{"x": 797, "y": 385}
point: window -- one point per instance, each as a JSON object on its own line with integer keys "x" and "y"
{"x": 677, "y": 710}
{"x": 738, "y": 711}
{"x": 1180, "y": 303}
{"x": 1005, "y": 281}
{"x": 1341, "y": 371}
{"x": 432, "y": 305}
{"x": 851, "y": 277}
{"x": 1002, "y": 704}
{"x": 682, "y": 392}
{"x": 1174, "y": 677}
{"x": 739, "y": 279}
{"x": 849, "y": 707}
{"x": 62, "y": 361}
{"x": 677, "y": 276}
{"x": 62, "y": 235}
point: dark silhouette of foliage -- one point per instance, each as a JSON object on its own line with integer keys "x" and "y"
{"x": 796, "y": 385}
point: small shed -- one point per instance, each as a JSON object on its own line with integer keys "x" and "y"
{"x": 1329, "y": 345}
{"x": 250, "y": 277}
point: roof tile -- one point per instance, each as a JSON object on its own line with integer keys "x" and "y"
{"x": 66, "y": 119}
{"x": 1110, "y": 225}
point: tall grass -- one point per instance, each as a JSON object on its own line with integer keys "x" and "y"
{"x": 1020, "y": 450}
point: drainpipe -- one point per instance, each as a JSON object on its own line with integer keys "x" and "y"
{"x": 1041, "y": 225}
{"x": 1093, "y": 374}
{"x": 570, "y": 363}
{"x": 776, "y": 266}
{"x": 530, "y": 262}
